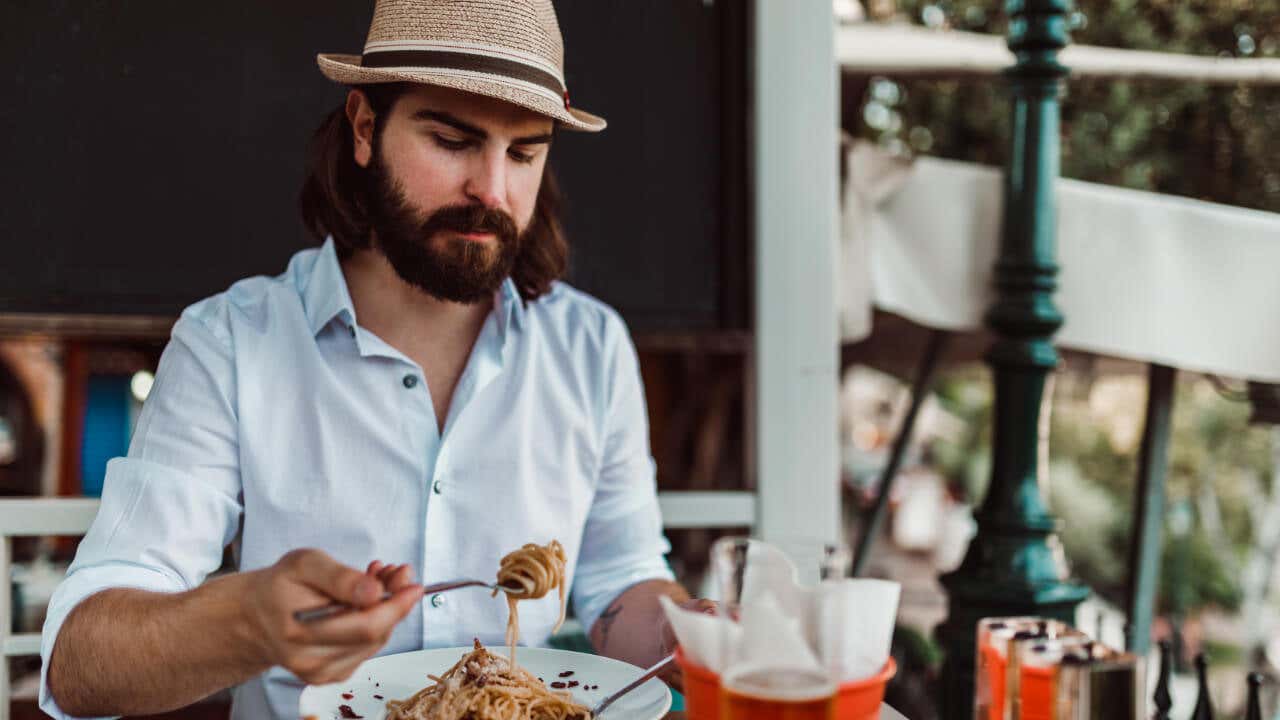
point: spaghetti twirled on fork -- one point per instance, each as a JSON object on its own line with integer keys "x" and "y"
{"x": 534, "y": 570}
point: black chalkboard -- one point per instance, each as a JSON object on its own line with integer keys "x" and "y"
{"x": 152, "y": 150}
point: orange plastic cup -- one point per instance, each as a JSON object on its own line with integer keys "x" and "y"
{"x": 1037, "y": 693}
{"x": 858, "y": 700}
{"x": 861, "y": 699}
{"x": 701, "y": 689}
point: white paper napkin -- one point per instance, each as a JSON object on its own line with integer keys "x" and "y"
{"x": 844, "y": 626}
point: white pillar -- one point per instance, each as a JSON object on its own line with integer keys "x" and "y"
{"x": 796, "y": 174}
{"x": 6, "y": 618}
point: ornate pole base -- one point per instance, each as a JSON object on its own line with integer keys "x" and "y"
{"x": 976, "y": 593}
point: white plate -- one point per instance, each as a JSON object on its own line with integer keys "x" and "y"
{"x": 398, "y": 676}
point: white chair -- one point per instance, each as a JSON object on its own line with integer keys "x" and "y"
{"x": 33, "y": 517}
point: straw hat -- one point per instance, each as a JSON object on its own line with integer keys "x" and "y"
{"x": 505, "y": 49}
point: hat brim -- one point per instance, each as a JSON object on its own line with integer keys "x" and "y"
{"x": 347, "y": 69}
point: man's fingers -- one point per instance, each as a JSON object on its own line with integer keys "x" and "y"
{"x": 320, "y": 664}
{"x": 701, "y": 605}
{"x": 343, "y": 632}
{"x": 318, "y": 571}
{"x": 401, "y": 576}
{"x": 386, "y": 571}
{"x": 673, "y": 677}
{"x": 346, "y": 668}
{"x": 392, "y": 577}
{"x": 399, "y": 604}
{"x": 367, "y": 626}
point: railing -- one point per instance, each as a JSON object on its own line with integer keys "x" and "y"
{"x": 31, "y": 518}
{"x": 40, "y": 517}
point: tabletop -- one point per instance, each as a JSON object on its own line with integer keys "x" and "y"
{"x": 886, "y": 713}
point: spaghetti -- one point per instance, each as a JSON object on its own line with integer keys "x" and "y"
{"x": 484, "y": 686}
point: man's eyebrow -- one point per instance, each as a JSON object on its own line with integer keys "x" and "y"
{"x": 478, "y": 133}
{"x": 451, "y": 121}
{"x": 532, "y": 139}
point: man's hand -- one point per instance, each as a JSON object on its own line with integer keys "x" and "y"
{"x": 329, "y": 650}
{"x": 672, "y": 675}
{"x": 634, "y": 628}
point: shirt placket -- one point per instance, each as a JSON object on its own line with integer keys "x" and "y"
{"x": 441, "y": 492}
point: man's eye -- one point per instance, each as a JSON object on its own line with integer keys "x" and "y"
{"x": 450, "y": 144}
{"x": 521, "y": 157}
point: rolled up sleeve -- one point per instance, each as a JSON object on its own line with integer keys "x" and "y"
{"x": 622, "y": 541}
{"x": 172, "y": 506}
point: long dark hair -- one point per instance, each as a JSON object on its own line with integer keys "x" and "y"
{"x": 334, "y": 198}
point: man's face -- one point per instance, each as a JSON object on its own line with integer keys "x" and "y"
{"x": 454, "y": 179}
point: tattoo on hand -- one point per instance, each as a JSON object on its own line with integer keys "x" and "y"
{"x": 606, "y": 621}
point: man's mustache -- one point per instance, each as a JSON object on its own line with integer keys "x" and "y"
{"x": 471, "y": 219}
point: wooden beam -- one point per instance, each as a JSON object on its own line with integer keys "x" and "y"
{"x": 131, "y": 327}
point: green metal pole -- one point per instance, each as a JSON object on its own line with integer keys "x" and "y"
{"x": 1013, "y": 565}
{"x": 1145, "y": 545}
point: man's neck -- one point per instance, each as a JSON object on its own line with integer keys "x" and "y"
{"x": 403, "y": 315}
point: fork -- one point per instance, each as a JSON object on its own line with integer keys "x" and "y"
{"x": 652, "y": 671}
{"x": 326, "y": 611}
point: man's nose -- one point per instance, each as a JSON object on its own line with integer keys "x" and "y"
{"x": 487, "y": 181}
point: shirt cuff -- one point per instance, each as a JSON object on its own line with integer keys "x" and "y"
{"x": 591, "y": 604}
{"x": 71, "y": 592}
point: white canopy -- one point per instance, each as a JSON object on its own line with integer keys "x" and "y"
{"x": 900, "y": 49}
{"x": 1148, "y": 277}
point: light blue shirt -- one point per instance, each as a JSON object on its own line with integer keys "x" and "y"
{"x": 277, "y": 422}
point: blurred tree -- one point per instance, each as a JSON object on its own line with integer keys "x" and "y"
{"x": 1214, "y": 452}
{"x": 1208, "y": 142}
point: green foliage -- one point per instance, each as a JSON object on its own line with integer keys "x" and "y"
{"x": 1194, "y": 574}
{"x": 1093, "y": 446}
{"x": 1092, "y": 518}
{"x": 1220, "y": 653}
{"x": 919, "y": 649}
{"x": 966, "y": 460}
{"x": 1209, "y": 142}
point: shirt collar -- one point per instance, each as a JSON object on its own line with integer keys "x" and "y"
{"x": 325, "y": 295}
{"x": 511, "y": 306}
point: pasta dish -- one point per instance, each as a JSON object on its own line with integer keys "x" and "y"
{"x": 484, "y": 686}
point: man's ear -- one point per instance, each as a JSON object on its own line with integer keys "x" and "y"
{"x": 361, "y": 116}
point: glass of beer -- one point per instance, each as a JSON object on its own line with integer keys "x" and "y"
{"x": 760, "y": 692}
{"x": 763, "y": 693}
{"x": 814, "y": 560}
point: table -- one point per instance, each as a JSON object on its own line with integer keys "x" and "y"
{"x": 886, "y": 713}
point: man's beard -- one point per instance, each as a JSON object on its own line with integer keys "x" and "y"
{"x": 428, "y": 253}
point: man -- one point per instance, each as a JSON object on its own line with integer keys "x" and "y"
{"x": 415, "y": 398}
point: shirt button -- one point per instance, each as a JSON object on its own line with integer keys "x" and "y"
{"x": 437, "y": 601}
{"x": 437, "y": 488}
{"x": 411, "y": 381}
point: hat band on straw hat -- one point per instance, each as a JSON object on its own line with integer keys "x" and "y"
{"x": 421, "y": 56}
{"x": 446, "y": 60}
